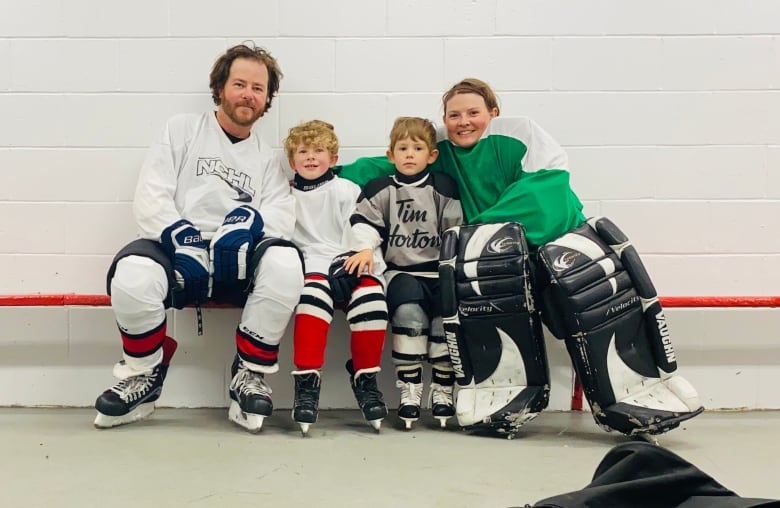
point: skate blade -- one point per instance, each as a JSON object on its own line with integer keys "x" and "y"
{"x": 251, "y": 422}
{"x": 376, "y": 424}
{"x": 304, "y": 428}
{"x": 408, "y": 422}
{"x": 139, "y": 413}
{"x": 442, "y": 421}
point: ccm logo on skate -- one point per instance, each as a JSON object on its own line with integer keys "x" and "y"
{"x": 660, "y": 319}
{"x": 504, "y": 244}
{"x": 565, "y": 261}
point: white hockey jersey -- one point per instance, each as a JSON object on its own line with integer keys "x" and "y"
{"x": 196, "y": 173}
{"x": 322, "y": 229}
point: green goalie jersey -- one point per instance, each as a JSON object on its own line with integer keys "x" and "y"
{"x": 516, "y": 173}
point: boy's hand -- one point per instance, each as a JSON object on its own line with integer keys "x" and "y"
{"x": 360, "y": 262}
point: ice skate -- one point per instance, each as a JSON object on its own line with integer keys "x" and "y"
{"x": 442, "y": 406}
{"x": 410, "y": 383}
{"x": 132, "y": 398}
{"x": 367, "y": 394}
{"x": 307, "y": 398}
{"x": 250, "y": 398}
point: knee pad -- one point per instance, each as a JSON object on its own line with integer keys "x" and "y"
{"x": 599, "y": 299}
{"x": 492, "y": 329}
{"x": 279, "y": 275}
{"x": 409, "y": 327}
{"x": 138, "y": 289}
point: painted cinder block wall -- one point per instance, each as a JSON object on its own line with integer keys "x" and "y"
{"x": 670, "y": 113}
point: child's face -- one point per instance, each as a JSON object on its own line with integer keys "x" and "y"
{"x": 311, "y": 162}
{"x": 411, "y": 156}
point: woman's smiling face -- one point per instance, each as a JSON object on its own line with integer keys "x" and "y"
{"x": 466, "y": 117}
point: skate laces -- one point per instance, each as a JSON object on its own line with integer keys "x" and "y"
{"x": 411, "y": 393}
{"x": 440, "y": 395}
{"x": 248, "y": 382}
{"x": 134, "y": 387}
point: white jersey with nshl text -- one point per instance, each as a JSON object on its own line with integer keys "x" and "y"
{"x": 195, "y": 172}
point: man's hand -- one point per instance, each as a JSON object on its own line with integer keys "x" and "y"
{"x": 234, "y": 242}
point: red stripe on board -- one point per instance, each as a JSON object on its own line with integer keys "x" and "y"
{"x": 720, "y": 301}
{"x": 74, "y": 299}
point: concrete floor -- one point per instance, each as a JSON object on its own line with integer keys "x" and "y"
{"x": 196, "y": 457}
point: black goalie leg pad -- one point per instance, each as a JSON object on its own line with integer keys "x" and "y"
{"x": 599, "y": 299}
{"x": 492, "y": 328}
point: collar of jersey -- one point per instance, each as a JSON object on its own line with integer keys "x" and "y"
{"x": 305, "y": 185}
{"x": 411, "y": 180}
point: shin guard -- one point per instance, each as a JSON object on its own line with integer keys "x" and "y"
{"x": 492, "y": 328}
{"x": 599, "y": 299}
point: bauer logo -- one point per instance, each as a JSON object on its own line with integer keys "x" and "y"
{"x": 505, "y": 244}
{"x": 565, "y": 261}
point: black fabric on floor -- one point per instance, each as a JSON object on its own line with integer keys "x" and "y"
{"x": 642, "y": 475}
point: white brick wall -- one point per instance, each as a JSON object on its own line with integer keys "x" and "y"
{"x": 670, "y": 112}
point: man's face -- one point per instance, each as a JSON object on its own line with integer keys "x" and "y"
{"x": 245, "y": 92}
{"x": 466, "y": 118}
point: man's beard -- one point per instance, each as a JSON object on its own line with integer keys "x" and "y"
{"x": 230, "y": 112}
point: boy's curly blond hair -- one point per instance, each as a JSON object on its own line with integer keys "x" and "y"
{"x": 312, "y": 133}
{"x": 414, "y": 128}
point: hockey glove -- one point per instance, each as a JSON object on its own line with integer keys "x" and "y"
{"x": 184, "y": 244}
{"x": 234, "y": 242}
{"x": 341, "y": 282}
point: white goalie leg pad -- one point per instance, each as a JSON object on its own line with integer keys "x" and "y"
{"x": 600, "y": 300}
{"x": 492, "y": 328}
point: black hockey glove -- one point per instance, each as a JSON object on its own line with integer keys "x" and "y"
{"x": 183, "y": 243}
{"x": 341, "y": 282}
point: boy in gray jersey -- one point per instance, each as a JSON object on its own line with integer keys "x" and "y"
{"x": 405, "y": 214}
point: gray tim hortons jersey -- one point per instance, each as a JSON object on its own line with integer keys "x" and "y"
{"x": 406, "y": 217}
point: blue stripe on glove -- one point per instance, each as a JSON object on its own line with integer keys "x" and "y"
{"x": 234, "y": 242}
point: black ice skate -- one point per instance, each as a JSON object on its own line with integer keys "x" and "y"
{"x": 410, "y": 383}
{"x": 132, "y": 399}
{"x": 442, "y": 406}
{"x": 307, "y": 398}
{"x": 441, "y": 402}
{"x": 250, "y": 398}
{"x": 367, "y": 394}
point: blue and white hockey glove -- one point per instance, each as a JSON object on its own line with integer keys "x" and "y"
{"x": 234, "y": 242}
{"x": 341, "y": 282}
{"x": 184, "y": 244}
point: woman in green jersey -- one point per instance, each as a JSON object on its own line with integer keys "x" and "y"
{"x": 507, "y": 169}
